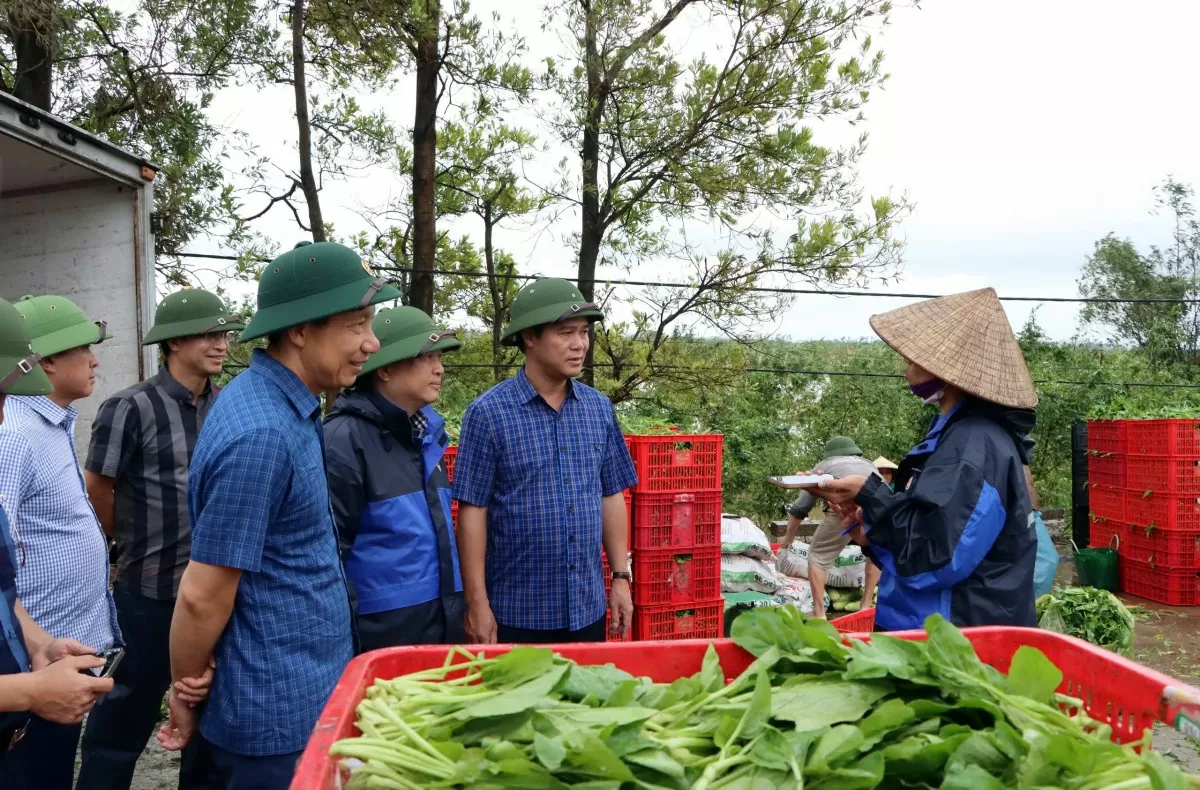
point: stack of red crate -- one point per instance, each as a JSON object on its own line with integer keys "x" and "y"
{"x": 676, "y": 536}
{"x": 1144, "y": 494}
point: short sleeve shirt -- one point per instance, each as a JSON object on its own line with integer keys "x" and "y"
{"x": 542, "y": 474}
{"x": 63, "y": 570}
{"x": 260, "y": 503}
{"x": 143, "y": 437}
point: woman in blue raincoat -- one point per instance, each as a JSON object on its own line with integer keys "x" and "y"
{"x": 955, "y": 536}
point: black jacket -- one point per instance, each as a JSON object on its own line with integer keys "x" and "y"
{"x": 954, "y": 537}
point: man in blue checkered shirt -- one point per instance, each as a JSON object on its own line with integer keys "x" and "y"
{"x": 264, "y": 592}
{"x": 541, "y": 470}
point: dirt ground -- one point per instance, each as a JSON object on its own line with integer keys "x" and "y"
{"x": 1167, "y": 639}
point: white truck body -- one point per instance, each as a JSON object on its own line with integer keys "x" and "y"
{"x": 75, "y": 220}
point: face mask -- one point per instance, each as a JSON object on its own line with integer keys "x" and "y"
{"x": 929, "y": 391}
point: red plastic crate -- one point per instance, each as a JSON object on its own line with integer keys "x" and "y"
{"x": 862, "y": 622}
{"x": 1162, "y": 474}
{"x": 1172, "y": 586}
{"x": 449, "y": 455}
{"x": 676, "y": 521}
{"x": 1163, "y": 511}
{"x": 1106, "y": 470}
{"x": 1107, "y": 502}
{"x": 1101, "y": 532}
{"x": 677, "y": 462}
{"x": 1162, "y": 548}
{"x": 1106, "y": 436}
{"x": 702, "y": 620}
{"x": 1162, "y": 437}
{"x": 1127, "y": 696}
{"x": 676, "y": 576}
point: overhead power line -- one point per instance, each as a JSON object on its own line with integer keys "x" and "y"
{"x": 755, "y": 289}
{"x": 857, "y": 373}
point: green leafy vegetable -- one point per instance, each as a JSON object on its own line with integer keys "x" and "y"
{"x": 1096, "y": 616}
{"x": 809, "y": 713}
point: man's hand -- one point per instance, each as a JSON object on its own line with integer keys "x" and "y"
{"x": 195, "y": 690}
{"x": 480, "y": 624}
{"x": 786, "y": 541}
{"x": 63, "y": 694}
{"x": 181, "y": 724}
{"x": 57, "y": 650}
{"x": 620, "y": 602}
{"x": 839, "y": 491}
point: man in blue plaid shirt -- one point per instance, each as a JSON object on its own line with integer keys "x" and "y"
{"x": 264, "y": 593}
{"x": 541, "y": 470}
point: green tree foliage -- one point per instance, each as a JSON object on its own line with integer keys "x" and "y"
{"x": 142, "y": 77}
{"x": 1169, "y": 333}
{"x": 724, "y": 137}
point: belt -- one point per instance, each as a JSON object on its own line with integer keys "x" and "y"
{"x": 11, "y": 737}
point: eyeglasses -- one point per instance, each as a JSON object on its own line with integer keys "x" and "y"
{"x": 217, "y": 337}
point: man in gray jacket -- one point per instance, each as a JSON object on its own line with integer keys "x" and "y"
{"x": 842, "y": 458}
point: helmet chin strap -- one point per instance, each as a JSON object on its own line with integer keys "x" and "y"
{"x": 23, "y": 366}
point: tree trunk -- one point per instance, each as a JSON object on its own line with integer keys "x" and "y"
{"x": 498, "y": 373}
{"x": 592, "y": 232}
{"x": 35, "y": 73}
{"x": 308, "y": 181}
{"x": 425, "y": 157}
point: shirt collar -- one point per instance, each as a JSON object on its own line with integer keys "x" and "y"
{"x": 527, "y": 391}
{"x": 50, "y": 411}
{"x": 301, "y": 397}
{"x": 166, "y": 382}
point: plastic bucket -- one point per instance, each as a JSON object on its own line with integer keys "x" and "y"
{"x": 1098, "y": 567}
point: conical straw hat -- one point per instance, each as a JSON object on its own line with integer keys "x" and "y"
{"x": 965, "y": 340}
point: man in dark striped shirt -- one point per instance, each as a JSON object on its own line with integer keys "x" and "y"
{"x": 137, "y": 479}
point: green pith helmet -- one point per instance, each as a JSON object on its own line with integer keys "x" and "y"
{"x": 20, "y": 373}
{"x": 841, "y": 445}
{"x": 190, "y": 312}
{"x": 547, "y": 301}
{"x": 311, "y": 282}
{"x": 404, "y": 333}
{"x": 56, "y": 324}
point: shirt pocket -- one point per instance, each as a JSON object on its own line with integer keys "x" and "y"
{"x": 528, "y": 454}
{"x": 585, "y": 453}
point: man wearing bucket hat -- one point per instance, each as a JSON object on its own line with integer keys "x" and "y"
{"x": 841, "y": 457}
{"x": 954, "y": 538}
{"x": 264, "y": 593}
{"x": 389, "y": 489}
{"x": 137, "y": 476}
{"x": 541, "y": 470}
{"x": 38, "y": 674}
{"x": 63, "y": 580}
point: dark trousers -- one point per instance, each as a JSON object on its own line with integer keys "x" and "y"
{"x": 528, "y": 636}
{"x": 124, "y": 720}
{"x": 239, "y": 772}
{"x": 436, "y": 622}
{"x": 43, "y": 760}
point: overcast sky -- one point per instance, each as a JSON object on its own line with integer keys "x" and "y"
{"x": 1023, "y": 131}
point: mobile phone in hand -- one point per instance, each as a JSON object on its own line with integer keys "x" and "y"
{"x": 798, "y": 481}
{"x": 112, "y": 658}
